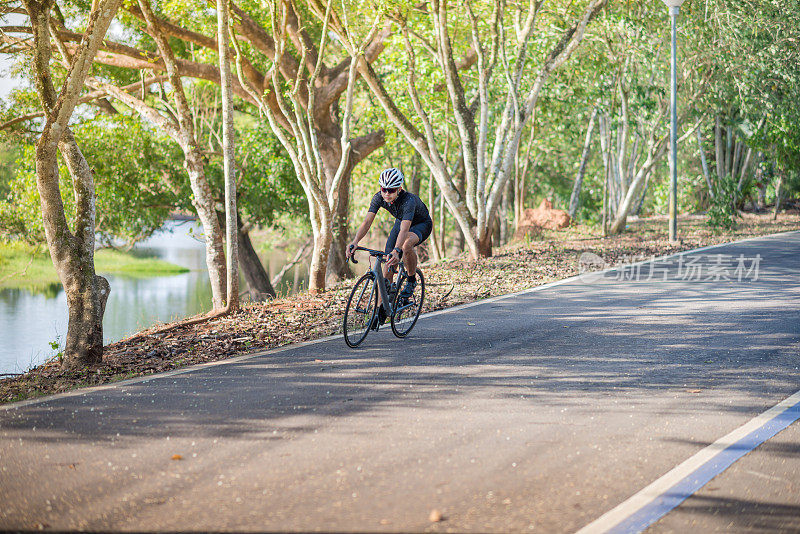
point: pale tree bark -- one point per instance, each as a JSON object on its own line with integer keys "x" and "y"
{"x": 229, "y": 163}
{"x": 521, "y": 178}
{"x": 778, "y": 185}
{"x": 719, "y": 148}
{"x": 733, "y": 157}
{"x": 435, "y": 251}
{"x": 576, "y": 188}
{"x": 321, "y": 149}
{"x": 743, "y": 172}
{"x": 72, "y": 252}
{"x": 655, "y": 150}
{"x": 303, "y": 123}
{"x": 634, "y": 143}
{"x": 181, "y": 130}
{"x": 487, "y": 167}
{"x": 704, "y": 162}
{"x": 257, "y": 88}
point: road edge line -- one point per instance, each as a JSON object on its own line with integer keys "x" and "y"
{"x": 656, "y": 500}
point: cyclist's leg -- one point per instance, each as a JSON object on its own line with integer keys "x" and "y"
{"x": 409, "y": 254}
{"x": 387, "y": 272}
{"x": 416, "y": 235}
{"x": 391, "y": 242}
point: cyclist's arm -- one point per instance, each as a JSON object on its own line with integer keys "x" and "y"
{"x": 362, "y": 230}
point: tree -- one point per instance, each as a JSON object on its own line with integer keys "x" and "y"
{"x": 633, "y": 121}
{"x": 298, "y": 57}
{"x": 180, "y": 127}
{"x": 487, "y": 159}
{"x": 299, "y": 98}
{"x": 72, "y": 251}
{"x": 231, "y": 218}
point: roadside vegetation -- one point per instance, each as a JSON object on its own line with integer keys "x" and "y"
{"x": 489, "y": 108}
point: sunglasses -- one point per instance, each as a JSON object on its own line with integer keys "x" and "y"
{"x": 389, "y": 189}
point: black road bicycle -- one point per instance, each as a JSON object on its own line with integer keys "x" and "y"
{"x": 361, "y": 313}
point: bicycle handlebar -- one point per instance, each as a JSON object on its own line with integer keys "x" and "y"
{"x": 376, "y": 253}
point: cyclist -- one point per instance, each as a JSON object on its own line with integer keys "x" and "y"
{"x": 412, "y": 226}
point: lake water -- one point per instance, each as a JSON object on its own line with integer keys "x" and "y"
{"x": 30, "y": 321}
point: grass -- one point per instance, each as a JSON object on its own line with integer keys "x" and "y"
{"x": 23, "y": 265}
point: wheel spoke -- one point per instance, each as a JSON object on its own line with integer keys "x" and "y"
{"x": 407, "y": 310}
{"x": 360, "y": 309}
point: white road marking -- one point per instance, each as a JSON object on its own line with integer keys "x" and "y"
{"x": 615, "y": 519}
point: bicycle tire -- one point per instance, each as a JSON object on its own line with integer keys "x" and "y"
{"x": 405, "y": 316}
{"x": 359, "y": 313}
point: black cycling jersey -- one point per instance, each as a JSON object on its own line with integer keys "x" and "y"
{"x": 407, "y": 207}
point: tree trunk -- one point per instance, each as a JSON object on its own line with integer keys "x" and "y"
{"x": 633, "y": 190}
{"x": 461, "y": 241}
{"x": 254, "y": 273}
{"x": 519, "y": 191}
{"x": 745, "y": 167}
{"x": 432, "y": 209}
{"x": 319, "y": 259}
{"x": 338, "y": 266}
{"x": 442, "y": 226}
{"x": 576, "y": 189}
{"x": 729, "y": 151}
{"x": 86, "y": 292}
{"x": 181, "y": 128}
{"x": 644, "y": 194}
{"x": 778, "y": 184}
{"x": 231, "y": 225}
{"x": 485, "y": 244}
{"x": 72, "y": 253}
{"x": 719, "y": 149}
{"x": 761, "y": 186}
{"x": 86, "y": 305}
{"x": 203, "y": 202}
{"x": 504, "y": 209}
{"x": 704, "y": 162}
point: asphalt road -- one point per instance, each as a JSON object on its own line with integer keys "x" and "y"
{"x": 538, "y": 412}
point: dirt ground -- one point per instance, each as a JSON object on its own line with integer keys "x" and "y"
{"x": 546, "y": 256}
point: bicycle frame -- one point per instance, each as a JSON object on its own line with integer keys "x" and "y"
{"x": 377, "y": 273}
{"x": 372, "y": 285}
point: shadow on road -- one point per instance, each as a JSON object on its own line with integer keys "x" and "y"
{"x": 607, "y": 338}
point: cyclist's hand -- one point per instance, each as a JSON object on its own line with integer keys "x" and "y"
{"x": 351, "y": 249}
{"x": 394, "y": 259}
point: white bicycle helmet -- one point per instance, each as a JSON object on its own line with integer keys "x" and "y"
{"x": 391, "y": 178}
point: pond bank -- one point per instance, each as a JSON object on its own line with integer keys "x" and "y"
{"x": 540, "y": 259}
{"x": 24, "y": 265}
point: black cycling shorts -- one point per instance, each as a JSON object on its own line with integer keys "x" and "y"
{"x": 423, "y": 231}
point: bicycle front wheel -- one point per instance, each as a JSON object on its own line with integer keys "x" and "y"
{"x": 361, "y": 308}
{"x": 407, "y": 310}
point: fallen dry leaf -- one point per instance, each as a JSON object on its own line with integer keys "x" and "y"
{"x": 548, "y": 256}
{"x": 435, "y": 516}
{"x": 177, "y": 457}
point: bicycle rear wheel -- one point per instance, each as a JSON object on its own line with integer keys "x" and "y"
{"x": 407, "y": 310}
{"x": 361, "y": 308}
